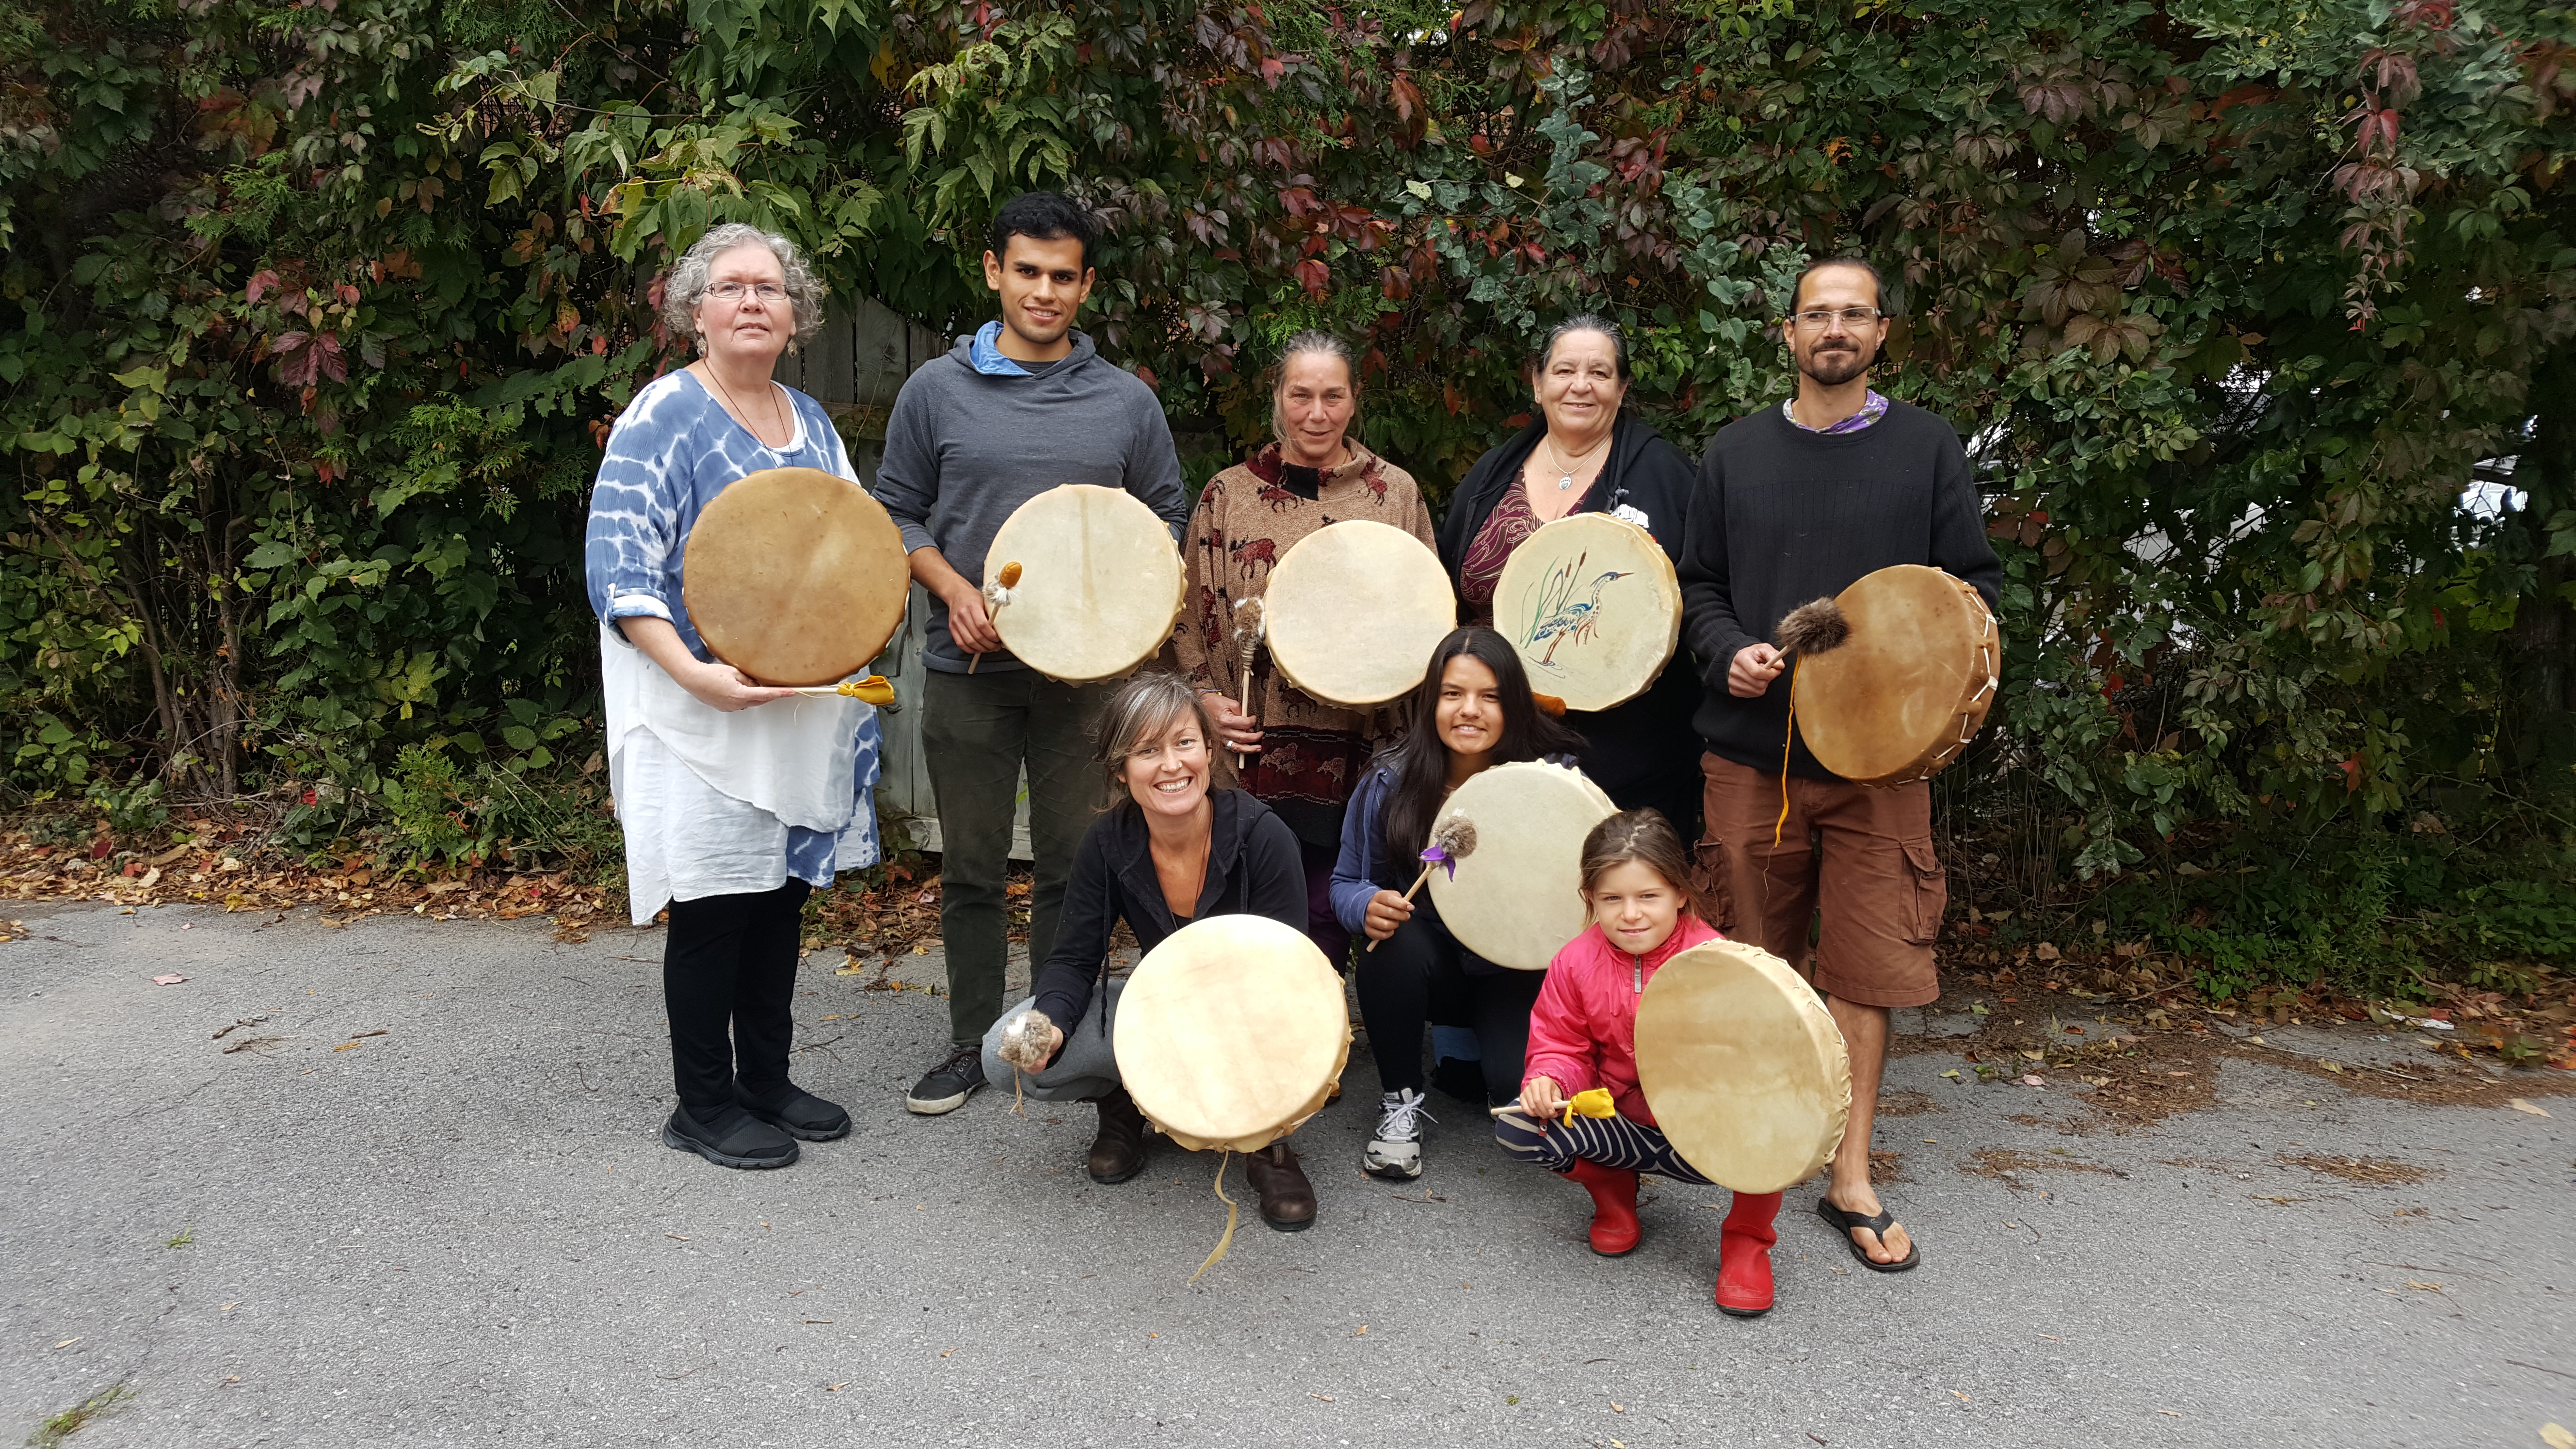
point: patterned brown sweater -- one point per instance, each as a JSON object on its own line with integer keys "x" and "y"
{"x": 1248, "y": 517}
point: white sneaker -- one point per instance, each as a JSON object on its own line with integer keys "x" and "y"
{"x": 1396, "y": 1149}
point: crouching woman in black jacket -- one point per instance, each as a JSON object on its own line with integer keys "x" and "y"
{"x": 1169, "y": 851}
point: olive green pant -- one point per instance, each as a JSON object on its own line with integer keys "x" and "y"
{"x": 977, "y": 731}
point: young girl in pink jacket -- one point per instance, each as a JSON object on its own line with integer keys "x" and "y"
{"x": 1583, "y": 1034}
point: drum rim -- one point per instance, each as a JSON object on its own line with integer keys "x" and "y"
{"x": 1443, "y": 885}
{"x": 1324, "y": 649}
{"x": 1668, "y": 585}
{"x": 1834, "y": 1084}
{"x": 1944, "y": 746}
{"x": 995, "y": 559}
{"x": 1326, "y": 981}
{"x": 694, "y": 581}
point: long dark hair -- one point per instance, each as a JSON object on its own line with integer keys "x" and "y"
{"x": 1420, "y": 761}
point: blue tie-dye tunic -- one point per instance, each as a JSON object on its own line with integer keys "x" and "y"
{"x": 671, "y": 452}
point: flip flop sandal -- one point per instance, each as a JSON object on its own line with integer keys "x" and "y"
{"x": 1846, "y": 1221}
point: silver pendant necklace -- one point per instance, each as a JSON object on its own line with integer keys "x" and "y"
{"x": 1566, "y": 470}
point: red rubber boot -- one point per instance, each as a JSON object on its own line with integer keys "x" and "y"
{"x": 1744, "y": 1255}
{"x": 1614, "y": 1206}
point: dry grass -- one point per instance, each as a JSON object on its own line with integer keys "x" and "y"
{"x": 2370, "y": 1171}
{"x": 2007, "y": 1166}
{"x": 1903, "y": 1103}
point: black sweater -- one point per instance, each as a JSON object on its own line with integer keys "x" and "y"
{"x": 1253, "y": 869}
{"x": 1784, "y": 516}
{"x": 1642, "y": 752}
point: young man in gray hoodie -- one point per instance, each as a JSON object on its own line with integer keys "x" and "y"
{"x": 1022, "y": 406}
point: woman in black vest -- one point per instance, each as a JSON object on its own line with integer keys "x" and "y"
{"x": 1587, "y": 454}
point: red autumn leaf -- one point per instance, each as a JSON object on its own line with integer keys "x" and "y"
{"x": 260, "y": 283}
{"x": 304, "y": 358}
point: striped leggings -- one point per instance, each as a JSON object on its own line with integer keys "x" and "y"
{"x": 1611, "y": 1141}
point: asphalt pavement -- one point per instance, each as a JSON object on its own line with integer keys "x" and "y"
{"x": 427, "y": 1204}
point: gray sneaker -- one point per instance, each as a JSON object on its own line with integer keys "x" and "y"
{"x": 1395, "y": 1149}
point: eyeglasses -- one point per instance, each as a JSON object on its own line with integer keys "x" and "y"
{"x": 732, "y": 291}
{"x": 1852, "y": 317}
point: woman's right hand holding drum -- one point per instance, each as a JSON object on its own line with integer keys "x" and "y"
{"x": 718, "y": 685}
{"x": 1386, "y": 911}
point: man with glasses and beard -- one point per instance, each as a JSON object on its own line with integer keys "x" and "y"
{"x": 1794, "y": 504}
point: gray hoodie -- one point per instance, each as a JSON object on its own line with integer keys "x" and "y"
{"x": 965, "y": 448}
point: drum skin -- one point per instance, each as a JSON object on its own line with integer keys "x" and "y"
{"x": 1231, "y": 1033}
{"x": 1518, "y": 898}
{"x": 1100, "y": 583}
{"x": 1593, "y": 606}
{"x": 1353, "y": 611}
{"x": 795, "y": 577}
{"x": 1743, "y": 1066}
{"x": 1910, "y": 688}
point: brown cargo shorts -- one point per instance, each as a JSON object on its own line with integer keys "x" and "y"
{"x": 1862, "y": 857}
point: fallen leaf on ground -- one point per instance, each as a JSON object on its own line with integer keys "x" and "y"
{"x": 2557, "y": 1437}
{"x": 2520, "y": 1105}
{"x": 1962, "y": 1398}
{"x": 2427, "y": 1287}
{"x": 836, "y": 1388}
{"x": 675, "y": 1237}
{"x": 1327, "y": 1398}
{"x": 175, "y": 980}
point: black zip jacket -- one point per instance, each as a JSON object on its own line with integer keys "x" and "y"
{"x": 1643, "y": 752}
{"x": 1253, "y": 869}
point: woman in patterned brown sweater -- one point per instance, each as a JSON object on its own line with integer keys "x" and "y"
{"x": 1304, "y": 756}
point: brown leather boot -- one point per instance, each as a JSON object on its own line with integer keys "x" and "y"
{"x": 1287, "y": 1198}
{"x": 1118, "y": 1152}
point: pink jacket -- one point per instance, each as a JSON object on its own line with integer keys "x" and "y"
{"x": 1583, "y": 1032}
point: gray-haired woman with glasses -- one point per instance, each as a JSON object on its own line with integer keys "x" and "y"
{"x": 732, "y": 812}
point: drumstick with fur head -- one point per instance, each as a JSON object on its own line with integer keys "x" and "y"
{"x": 1816, "y": 627}
{"x": 996, "y": 594}
{"x": 1024, "y": 1046}
{"x": 1249, "y": 622}
{"x": 1452, "y": 841}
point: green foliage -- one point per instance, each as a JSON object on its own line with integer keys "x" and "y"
{"x": 2366, "y": 912}
{"x": 133, "y": 808}
{"x": 323, "y": 311}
